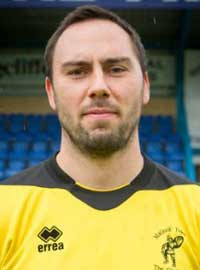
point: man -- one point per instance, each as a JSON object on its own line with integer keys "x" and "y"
{"x": 98, "y": 203}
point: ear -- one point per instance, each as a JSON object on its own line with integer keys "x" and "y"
{"x": 50, "y": 93}
{"x": 146, "y": 90}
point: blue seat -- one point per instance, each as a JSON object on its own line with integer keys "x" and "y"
{"x": 16, "y": 127}
{"x": 7, "y": 136}
{"x": 16, "y": 165}
{"x": 10, "y": 172}
{"x": 156, "y": 156}
{"x": 35, "y": 123}
{"x": 4, "y": 154}
{"x": 17, "y": 155}
{"x": 4, "y": 145}
{"x": 171, "y": 147}
{"x": 38, "y": 156}
{"x": 55, "y": 135}
{"x": 16, "y": 122}
{"x": 54, "y": 146}
{"x": 52, "y": 126}
{"x": 34, "y": 129}
{"x": 154, "y": 146}
{"x": 33, "y": 118}
{"x": 173, "y": 137}
{"x": 39, "y": 146}
{"x": 176, "y": 155}
{"x": 147, "y": 119}
{"x": 164, "y": 125}
{"x": 146, "y": 125}
{"x": 50, "y": 119}
{"x": 24, "y": 136}
{"x": 33, "y": 162}
{"x": 42, "y": 136}
{"x": 19, "y": 150}
{"x": 3, "y": 124}
{"x": 165, "y": 130}
{"x": 175, "y": 165}
{"x": 2, "y": 175}
{"x": 164, "y": 120}
{"x": 38, "y": 151}
{"x": 2, "y": 164}
{"x": 16, "y": 117}
{"x": 155, "y": 137}
{"x": 4, "y": 149}
{"x": 20, "y": 146}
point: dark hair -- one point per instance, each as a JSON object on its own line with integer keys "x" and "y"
{"x": 85, "y": 13}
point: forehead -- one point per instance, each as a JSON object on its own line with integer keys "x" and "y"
{"x": 93, "y": 38}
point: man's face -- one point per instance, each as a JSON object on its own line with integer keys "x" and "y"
{"x": 98, "y": 87}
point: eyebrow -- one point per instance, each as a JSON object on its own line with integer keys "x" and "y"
{"x": 117, "y": 60}
{"x": 74, "y": 63}
{"x": 107, "y": 61}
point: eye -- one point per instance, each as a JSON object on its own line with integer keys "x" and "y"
{"x": 77, "y": 73}
{"x": 117, "y": 70}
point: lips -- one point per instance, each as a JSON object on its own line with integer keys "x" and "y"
{"x": 99, "y": 111}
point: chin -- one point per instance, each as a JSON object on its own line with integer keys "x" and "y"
{"x": 100, "y": 132}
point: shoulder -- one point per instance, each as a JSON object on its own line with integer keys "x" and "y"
{"x": 19, "y": 190}
{"x": 174, "y": 189}
{"x": 31, "y": 176}
{"x": 163, "y": 178}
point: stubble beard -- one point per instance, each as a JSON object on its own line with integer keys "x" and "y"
{"x": 102, "y": 144}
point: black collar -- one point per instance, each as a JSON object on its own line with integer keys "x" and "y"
{"x": 102, "y": 200}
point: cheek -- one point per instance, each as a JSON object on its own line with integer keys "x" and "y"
{"x": 120, "y": 90}
{"x": 71, "y": 92}
{"x": 130, "y": 92}
{"x": 67, "y": 106}
{"x": 133, "y": 100}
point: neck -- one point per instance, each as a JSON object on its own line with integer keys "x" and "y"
{"x": 103, "y": 174}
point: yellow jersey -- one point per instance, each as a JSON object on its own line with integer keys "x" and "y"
{"x": 48, "y": 221}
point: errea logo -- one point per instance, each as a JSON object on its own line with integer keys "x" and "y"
{"x": 47, "y": 234}
{"x": 50, "y": 237}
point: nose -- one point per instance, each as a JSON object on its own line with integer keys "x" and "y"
{"x": 99, "y": 86}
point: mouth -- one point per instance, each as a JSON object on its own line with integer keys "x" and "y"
{"x": 100, "y": 113}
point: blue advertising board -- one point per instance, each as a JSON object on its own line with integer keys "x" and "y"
{"x": 176, "y": 4}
